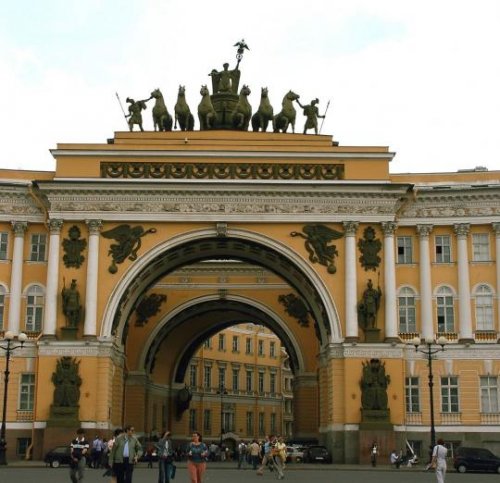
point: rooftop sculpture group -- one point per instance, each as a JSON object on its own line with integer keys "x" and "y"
{"x": 226, "y": 108}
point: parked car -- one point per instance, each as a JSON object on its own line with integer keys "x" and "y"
{"x": 317, "y": 454}
{"x": 294, "y": 454}
{"x": 475, "y": 459}
{"x": 60, "y": 455}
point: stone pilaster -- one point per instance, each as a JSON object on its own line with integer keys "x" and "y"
{"x": 91, "y": 291}
{"x": 351, "y": 313}
{"x": 464, "y": 304}
{"x": 426, "y": 312}
{"x": 16, "y": 285}
{"x": 391, "y": 325}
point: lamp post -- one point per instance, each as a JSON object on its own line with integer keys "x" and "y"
{"x": 429, "y": 351}
{"x": 9, "y": 348}
{"x": 222, "y": 392}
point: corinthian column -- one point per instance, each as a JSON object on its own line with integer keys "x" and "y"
{"x": 464, "y": 307}
{"x": 90, "y": 325}
{"x": 50, "y": 320}
{"x": 426, "y": 318}
{"x": 496, "y": 227}
{"x": 16, "y": 276}
{"x": 391, "y": 325}
{"x": 351, "y": 313}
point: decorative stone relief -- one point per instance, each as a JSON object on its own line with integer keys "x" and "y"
{"x": 369, "y": 246}
{"x": 73, "y": 248}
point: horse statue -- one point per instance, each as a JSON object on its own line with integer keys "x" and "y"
{"x": 182, "y": 112}
{"x": 162, "y": 120}
{"x": 287, "y": 115}
{"x": 206, "y": 111}
{"x": 264, "y": 113}
{"x": 243, "y": 111}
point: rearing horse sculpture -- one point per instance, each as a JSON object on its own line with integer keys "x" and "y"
{"x": 243, "y": 111}
{"x": 287, "y": 115}
{"x": 206, "y": 111}
{"x": 182, "y": 112}
{"x": 264, "y": 114}
{"x": 162, "y": 120}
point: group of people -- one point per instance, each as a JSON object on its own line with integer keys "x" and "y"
{"x": 271, "y": 453}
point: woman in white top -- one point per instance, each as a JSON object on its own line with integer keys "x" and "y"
{"x": 439, "y": 460}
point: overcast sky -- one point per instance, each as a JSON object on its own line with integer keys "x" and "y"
{"x": 421, "y": 77}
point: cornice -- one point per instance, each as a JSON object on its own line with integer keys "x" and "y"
{"x": 17, "y": 203}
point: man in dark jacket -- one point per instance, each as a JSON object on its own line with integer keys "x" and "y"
{"x": 79, "y": 451}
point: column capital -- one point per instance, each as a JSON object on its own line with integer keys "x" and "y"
{"x": 461, "y": 229}
{"x": 424, "y": 230}
{"x": 94, "y": 226}
{"x": 19, "y": 227}
{"x": 350, "y": 227}
{"x": 389, "y": 227}
{"x": 55, "y": 226}
{"x": 496, "y": 228}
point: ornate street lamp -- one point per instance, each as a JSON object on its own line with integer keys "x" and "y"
{"x": 9, "y": 348}
{"x": 222, "y": 392}
{"x": 430, "y": 347}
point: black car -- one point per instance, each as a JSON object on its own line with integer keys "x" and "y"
{"x": 475, "y": 459}
{"x": 61, "y": 455}
{"x": 317, "y": 454}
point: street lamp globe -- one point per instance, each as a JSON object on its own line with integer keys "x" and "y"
{"x": 9, "y": 335}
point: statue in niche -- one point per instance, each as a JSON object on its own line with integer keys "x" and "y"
{"x": 368, "y": 306}
{"x": 71, "y": 306}
{"x": 369, "y": 246}
{"x": 73, "y": 248}
{"x": 148, "y": 307}
{"x": 129, "y": 242}
{"x": 374, "y": 383}
{"x": 295, "y": 307}
{"x": 67, "y": 382}
{"x": 317, "y": 237}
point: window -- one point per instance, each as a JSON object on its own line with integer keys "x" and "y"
{"x": 4, "y": 239}
{"x": 405, "y": 249}
{"x": 34, "y": 308}
{"x": 449, "y": 394}
{"x": 412, "y": 395}
{"x": 207, "y": 421}
{"x": 288, "y": 383}
{"x": 192, "y": 420}
{"x": 236, "y": 343}
{"x": 249, "y": 380}
{"x": 272, "y": 383}
{"x": 207, "y": 344}
{"x": 260, "y": 347}
{"x": 248, "y": 345}
{"x": 207, "y": 377}
{"x": 222, "y": 342}
{"x": 445, "y": 311}
{"x": 236, "y": 379}
{"x": 262, "y": 427}
{"x": 288, "y": 406}
{"x": 407, "y": 311}
{"x": 2, "y": 307}
{"x": 272, "y": 349}
{"x": 484, "y": 308}
{"x": 489, "y": 394}
{"x": 193, "y": 382}
{"x": 22, "y": 446}
{"x": 227, "y": 421}
{"x": 261, "y": 382}
{"x": 222, "y": 377}
{"x": 27, "y": 392}
{"x": 480, "y": 247}
{"x": 38, "y": 247}
{"x": 443, "y": 249}
{"x": 249, "y": 423}
{"x": 273, "y": 423}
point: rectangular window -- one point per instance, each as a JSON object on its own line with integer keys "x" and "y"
{"x": 222, "y": 342}
{"x": 412, "y": 395}
{"x": 449, "y": 394}
{"x": 261, "y": 382}
{"x": 207, "y": 377}
{"x": 480, "y": 247}
{"x": 249, "y": 423}
{"x": 407, "y": 314}
{"x": 445, "y": 314}
{"x": 405, "y": 249}
{"x": 38, "y": 247}
{"x": 222, "y": 377}
{"x": 22, "y": 446}
{"x": 273, "y": 423}
{"x": 272, "y": 349}
{"x": 207, "y": 421}
{"x": 4, "y": 238}
{"x": 249, "y": 381}
{"x": 193, "y": 382}
{"x": 443, "y": 249}
{"x": 489, "y": 394}
{"x": 248, "y": 345}
{"x": 34, "y": 313}
{"x": 236, "y": 343}
{"x": 260, "y": 347}
{"x": 27, "y": 392}
{"x": 236, "y": 379}
{"x": 272, "y": 383}
{"x": 192, "y": 420}
{"x": 262, "y": 426}
{"x": 207, "y": 344}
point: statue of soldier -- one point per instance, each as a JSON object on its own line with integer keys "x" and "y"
{"x": 71, "y": 304}
{"x": 312, "y": 114}
{"x": 369, "y": 305}
{"x": 134, "y": 115}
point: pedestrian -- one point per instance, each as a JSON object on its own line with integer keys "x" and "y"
{"x": 124, "y": 454}
{"x": 242, "y": 454}
{"x": 279, "y": 456}
{"x": 197, "y": 458}
{"x": 109, "y": 466}
{"x": 267, "y": 454}
{"x": 395, "y": 459}
{"x": 79, "y": 453}
{"x": 374, "y": 454}
{"x": 165, "y": 450}
{"x": 254, "y": 454}
{"x": 439, "y": 460}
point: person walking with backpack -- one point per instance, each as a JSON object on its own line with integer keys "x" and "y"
{"x": 165, "y": 449}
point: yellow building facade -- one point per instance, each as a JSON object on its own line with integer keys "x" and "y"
{"x": 172, "y": 237}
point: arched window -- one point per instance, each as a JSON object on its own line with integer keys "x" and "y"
{"x": 2, "y": 307}
{"x": 407, "y": 310}
{"x": 35, "y": 301}
{"x": 445, "y": 310}
{"x": 484, "y": 307}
